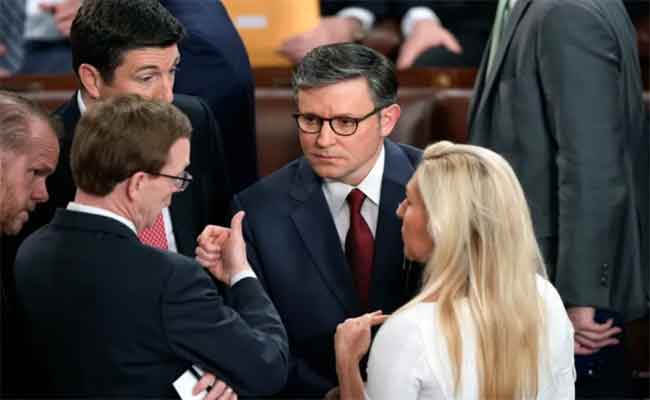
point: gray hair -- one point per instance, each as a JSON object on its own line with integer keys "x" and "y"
{"x": 15, "y": 114}
{"x": 334, "y": 63}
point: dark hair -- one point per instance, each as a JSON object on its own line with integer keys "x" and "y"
{"x": 15, "y": 114}
{"x": 121, "y": 136}
{"x": 334, "y": 63}
{"x": 104, "y": 30}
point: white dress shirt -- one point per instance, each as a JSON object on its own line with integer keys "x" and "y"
{"x": 72, "y": 206}
{"x": 409, "y": 358}
{"x": 169, "y": 229}
{"x": 336, "y": 194}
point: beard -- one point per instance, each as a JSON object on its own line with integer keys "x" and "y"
{"x": 12, "y": 218}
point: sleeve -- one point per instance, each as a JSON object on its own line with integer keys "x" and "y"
{"x": 579, "y": 66}
{"x": 396, "y": 361}
{"x": 246, "y": 345}
{"x": 378, "y": 8}
{"x": 561, "y": 359}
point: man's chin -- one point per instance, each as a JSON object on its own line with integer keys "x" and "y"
{"x": 14, "y": 226}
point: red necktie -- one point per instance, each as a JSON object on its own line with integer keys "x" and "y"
{"x": 155, "y": 234}
{"x": 359, "y": 246}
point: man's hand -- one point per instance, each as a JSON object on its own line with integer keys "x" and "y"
{"x": 591, "y": 336}
{"x": 222, "y": 251}
{"x": 219, "y": 391}
{"x": 426, "y": 34}
{"x": 209, "y": 252}
{"x": 352, "y": 338}
{"x": 329, "y": 30}
{"x": 63, "y": 13}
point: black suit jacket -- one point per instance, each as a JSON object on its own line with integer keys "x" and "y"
{"x": 295, "y": 250}
{"x": 204, "y": 202}
{"x": 563, "y": 103}
{"x": 214, "y": 66}
{"x": 108, "y": 316}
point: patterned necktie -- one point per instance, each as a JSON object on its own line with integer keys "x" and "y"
{"x": 12, "y": 27}
{"x": 503, "y": 9}
{"x": 155, "y": 235}
{"x": 359, "y": 246}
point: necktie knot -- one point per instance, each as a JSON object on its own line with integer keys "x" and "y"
{"x": 355, "y": 200}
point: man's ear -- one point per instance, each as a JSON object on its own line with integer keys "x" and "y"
{"x": 135, "y": 186}
{"x": 91, "y": 80}
{"x": 388, "y": 118}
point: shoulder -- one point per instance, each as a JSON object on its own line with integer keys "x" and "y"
{"x": 554, "y": 14}
{"x": 404, "y": 327}
{"x": 270, "y": 188}
{"x": 194, "y": 107}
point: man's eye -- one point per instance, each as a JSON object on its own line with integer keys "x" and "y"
{"x": 310, "y": 119}
{"x": 345, "y": 121}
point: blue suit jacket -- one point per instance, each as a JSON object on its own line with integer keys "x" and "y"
{"x": 296, "y": 252}
{"x": 214, "y": 66}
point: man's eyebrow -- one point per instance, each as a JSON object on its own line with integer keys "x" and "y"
{"x": 147, "y": 67}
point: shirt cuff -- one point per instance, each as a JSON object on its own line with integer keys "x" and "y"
{"x": 415, "y": 14}
{"x": 364, "y": 16}
{"x": 247, "y": 273}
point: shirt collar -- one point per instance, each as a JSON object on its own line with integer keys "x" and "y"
{"x": 336, "y": 192}
{"x": 72, "y": 206}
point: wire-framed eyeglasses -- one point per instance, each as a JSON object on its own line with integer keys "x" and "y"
{"x": 343, "y": 126}
{"x": 181, "y": 182}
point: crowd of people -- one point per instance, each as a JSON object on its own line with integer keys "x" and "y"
{"x": 138, "y": 242}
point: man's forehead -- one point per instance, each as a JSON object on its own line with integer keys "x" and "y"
{"x": 150, "y": 57}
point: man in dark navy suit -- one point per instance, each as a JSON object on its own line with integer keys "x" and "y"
{"x": 322, "y": 232}
{"x": 108, "y": 316}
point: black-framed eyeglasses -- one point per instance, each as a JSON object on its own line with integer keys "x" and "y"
{"x": 181, "y": 182}
{"x": 343, "y": 126}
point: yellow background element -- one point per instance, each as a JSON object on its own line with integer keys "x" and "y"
{"x": 264, "y": 24}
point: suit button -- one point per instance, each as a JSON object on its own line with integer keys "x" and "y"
{"x": 603, "y": 280}
{"x": 605, "y": 266}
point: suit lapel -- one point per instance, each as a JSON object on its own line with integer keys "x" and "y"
{"x": 490, "y": 78}
{"x": 386, "y": 273}
{"x": 315, "y": 226}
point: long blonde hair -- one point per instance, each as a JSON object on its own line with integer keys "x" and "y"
{"x": 485, "y": 252}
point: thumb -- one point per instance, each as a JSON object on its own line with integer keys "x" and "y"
{"x": 235, "y": 225}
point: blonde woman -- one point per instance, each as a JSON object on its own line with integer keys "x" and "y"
{"x": 487, "y": 323}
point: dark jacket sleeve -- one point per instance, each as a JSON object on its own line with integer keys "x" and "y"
{"x": 244, "y": 345}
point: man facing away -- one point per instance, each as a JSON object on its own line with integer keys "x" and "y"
{"x": 322, "y": 232}
{"x": 106, "y": 315}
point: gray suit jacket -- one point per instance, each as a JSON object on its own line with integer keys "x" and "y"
{"x": 563, "y": 103}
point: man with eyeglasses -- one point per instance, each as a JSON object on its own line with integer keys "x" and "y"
{"x": 108, "y": 316}
{"x": 322, "y": 232}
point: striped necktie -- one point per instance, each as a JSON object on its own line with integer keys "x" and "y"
{"x": 503, "y": 9}
{"x": 12, "y": 27}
